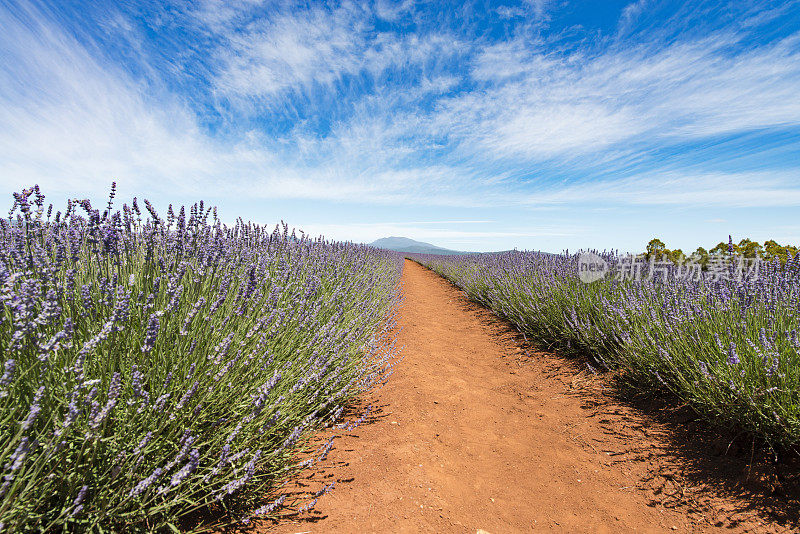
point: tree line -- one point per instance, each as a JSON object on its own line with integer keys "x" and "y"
{"x": 748, "y": 248}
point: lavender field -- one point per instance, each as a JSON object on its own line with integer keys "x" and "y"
{"x": 154, "y": 366}
{"x": 727, "y": 346}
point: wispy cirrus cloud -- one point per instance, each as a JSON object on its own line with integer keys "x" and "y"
{"x": 630, "y": 14}
{"x": 292, "y": 50}
{"x": 540, "y": 105}
{"x": 68, "y": 120}
{"x": 75, "y": 122}
{"x": 319, "y": 47}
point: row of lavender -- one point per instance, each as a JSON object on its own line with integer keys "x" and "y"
{"x": 155, "y": 366}
{"x": 728, "y": 346}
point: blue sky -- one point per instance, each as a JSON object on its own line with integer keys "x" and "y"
{"x": 477, "y": 126}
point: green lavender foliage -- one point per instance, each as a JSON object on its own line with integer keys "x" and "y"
{"x": 155, "y": 366}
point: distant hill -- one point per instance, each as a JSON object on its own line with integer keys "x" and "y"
{"x": 404, "y": 244}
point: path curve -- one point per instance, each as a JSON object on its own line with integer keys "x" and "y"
{"x": 474, "y": 433}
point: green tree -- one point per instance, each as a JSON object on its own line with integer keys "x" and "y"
{"x": 772, "y": 249}
{"x": 700, "y": 256}
{"x": 676, "y": 256}
{"x": 746, "y": 247}
{"x": 656, "y": 248}
{"x": 721, "y": 248}
{"x": 750, "y": 249}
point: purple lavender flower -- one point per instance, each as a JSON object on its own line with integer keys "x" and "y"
{"x": 185, "y": 443}
{"x": 325, "y": 489}
{"x": 86, "y": 297}
{"x": 34, "y": 409}
{"x": 733, "y": 357}
{"x": 307, "y": 507}
{"x": 8, "y": 376}
{"x": 121, "y": 313}
{"x": 151, "y": 334}
{"x": 138, "y": 451}
{"x": 90, "y": 345}
{"x": 234, "y": 485}
{"x": 233, "y": 434}
{"x": 186, "y": 396}
{"x": 115, "y": 386}
{"x": 186, "y": 470}
{"x": 101, "y": 415}
{"x": 795, "y": 340}
{"x": 293, "y": 437}
{"x": 72, "y": 412}
{"x": 158, "y": 405}
{"x": 269, "y": 508}
{"x": 190, "y": 316}
{"x": 224, "y": 458}
{"x": 77, "y": 505}
{"x": 145, "y": 483}
{"x": 18, "y": 456}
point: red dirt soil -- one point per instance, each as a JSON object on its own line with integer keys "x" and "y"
{"x": 476, "y": 431}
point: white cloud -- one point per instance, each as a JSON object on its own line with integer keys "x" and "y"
{"x": 543, "y": 105}
{"x": 69, "y": 122}
{"x": 539, "y": 7}
{"x": 290, "y": 50}
{"x": 757, "y": 189}
{"x": 630, "y": 14}
{"x": 317, "y": 47}
{"x": 391, "y": 10}
{"x": 73, "y": 122}
{"x": 510, "y": 12}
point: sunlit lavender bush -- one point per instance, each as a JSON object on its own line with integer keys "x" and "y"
{"x": 151, "y": 366}
{"x": 727, "y": 346}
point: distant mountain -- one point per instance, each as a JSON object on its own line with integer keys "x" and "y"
{"x": 404, "y": 244}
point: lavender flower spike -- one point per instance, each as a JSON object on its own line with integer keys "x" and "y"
{"x": 8, "y": 376}
{"x": 34, "y": 410}
{"x": 733, "y": 357}
{"x": 145, "y": 483}
{"x": 77, "y": 504}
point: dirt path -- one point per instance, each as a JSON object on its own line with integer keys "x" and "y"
{"x": 474, "y": 433}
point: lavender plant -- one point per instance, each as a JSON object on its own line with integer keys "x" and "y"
{"x": 727, "y": 346}
{"x": 151, "y": 366}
